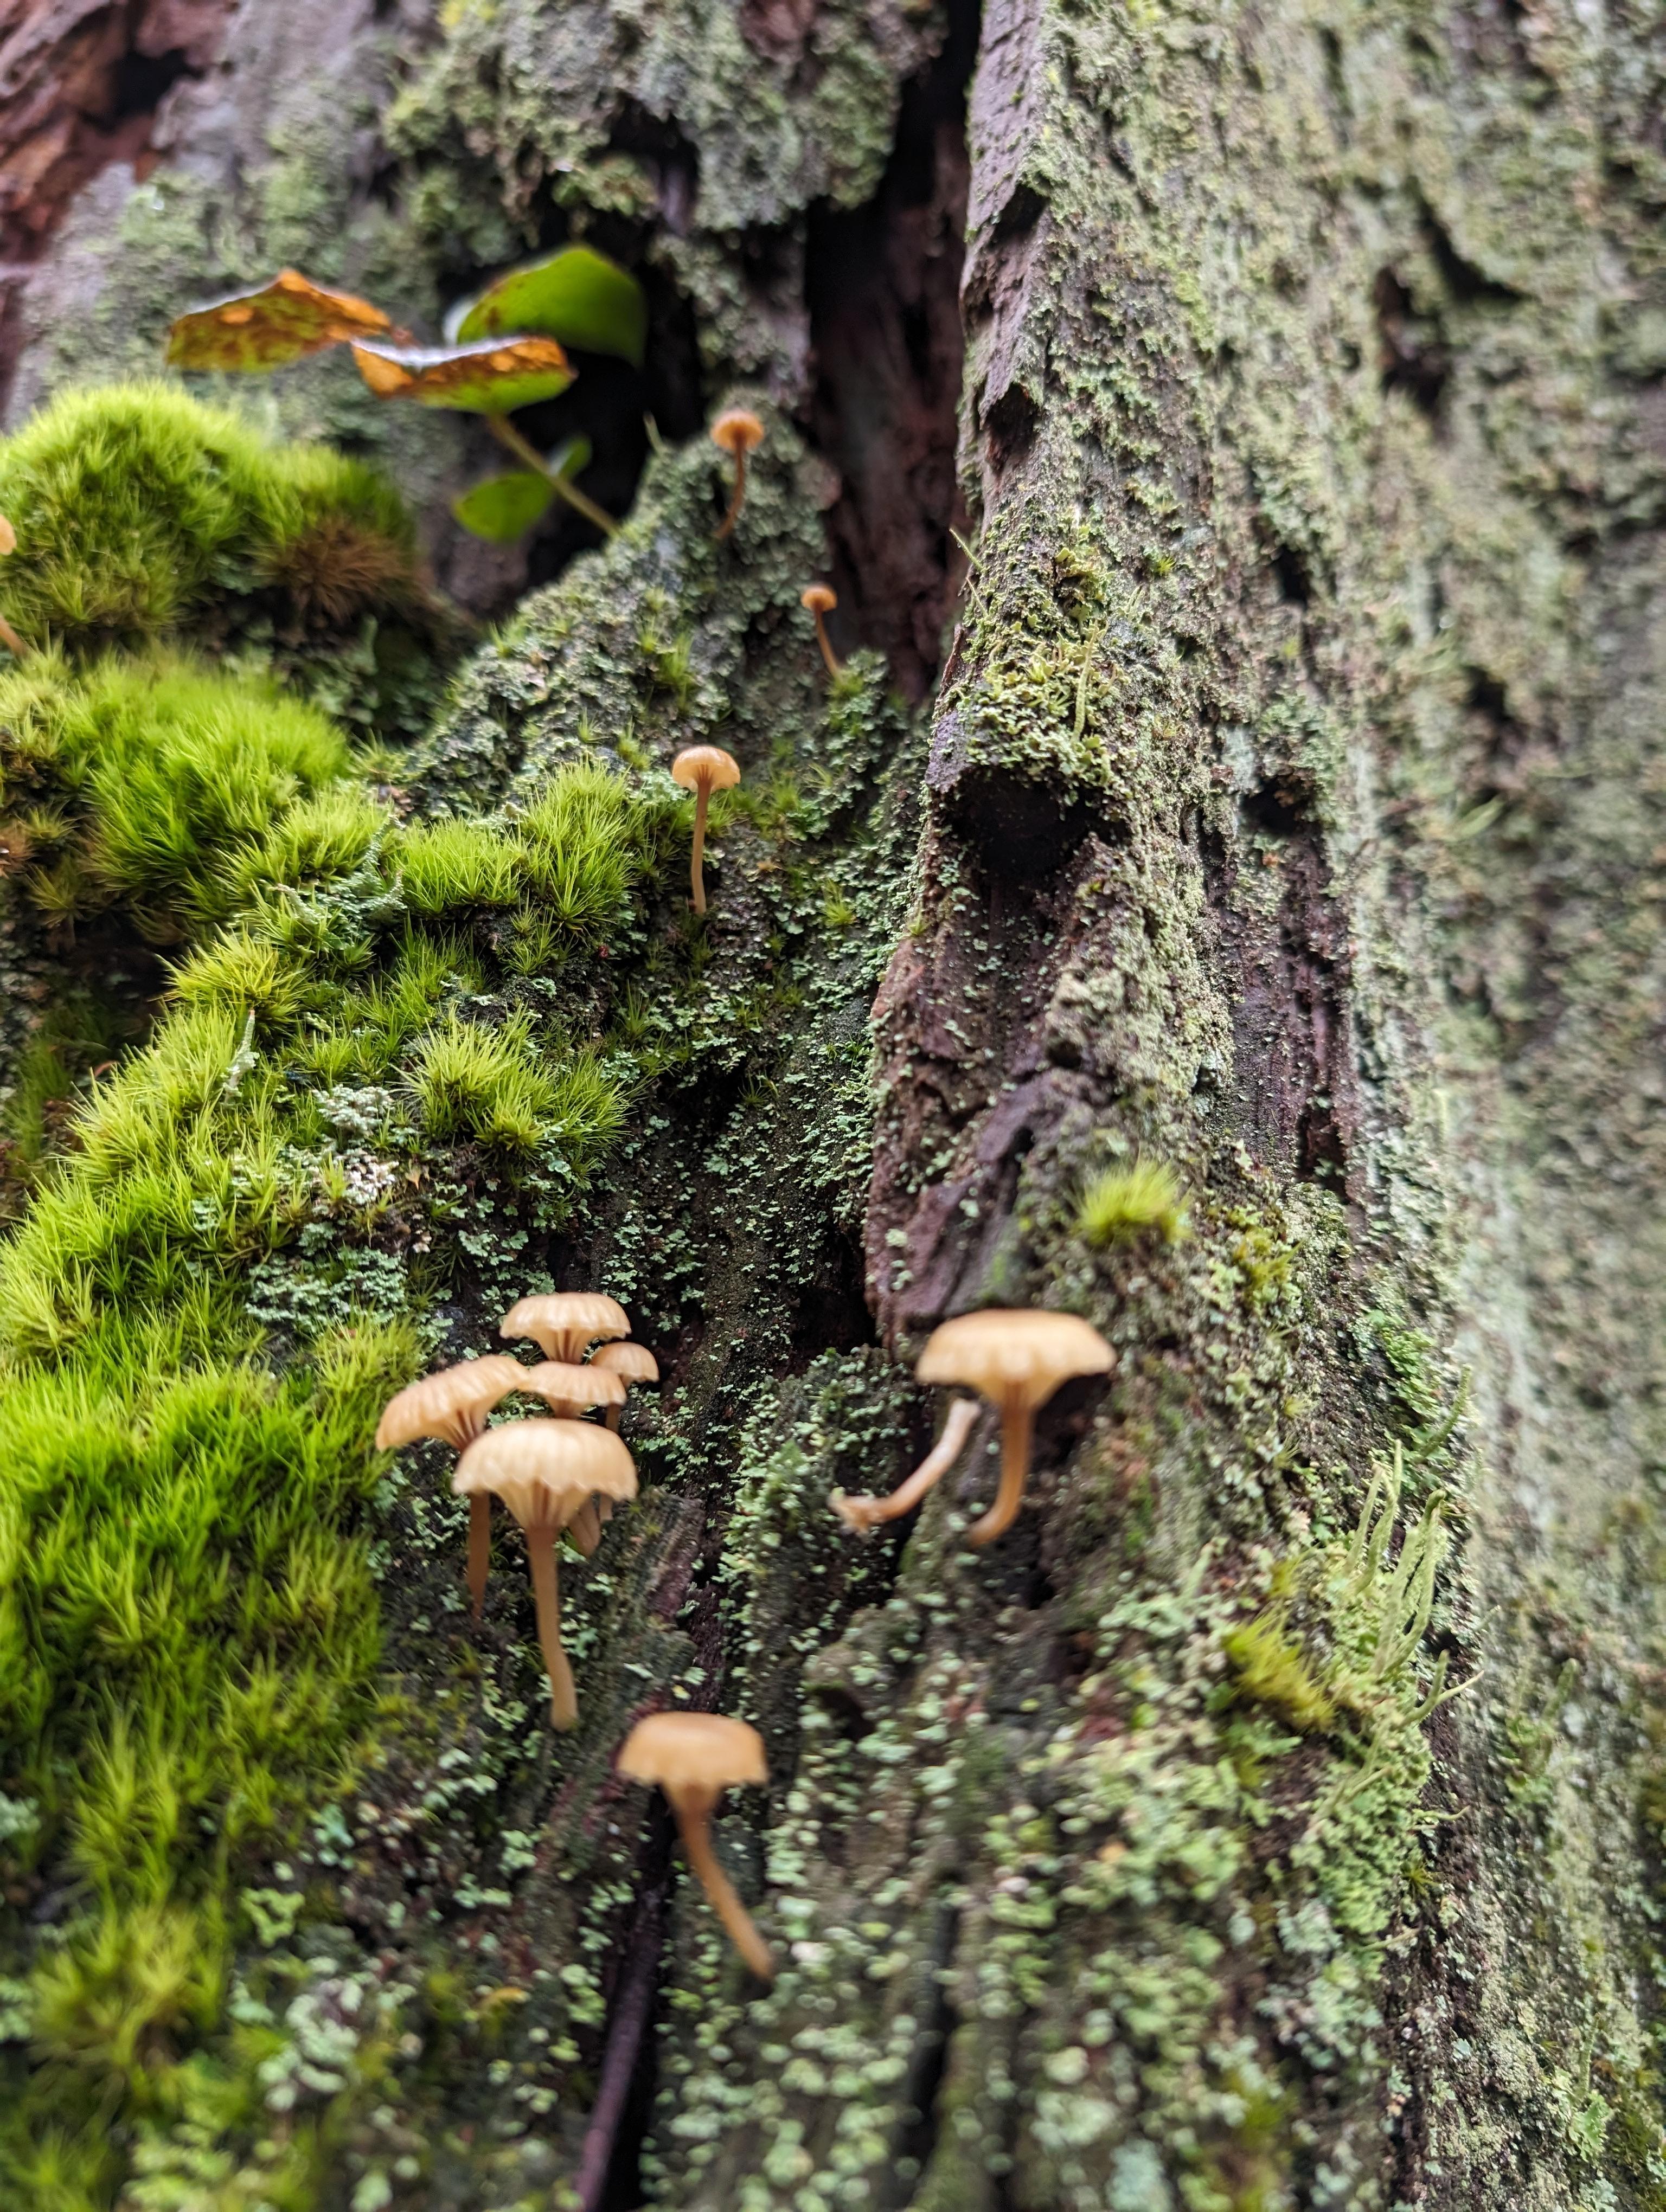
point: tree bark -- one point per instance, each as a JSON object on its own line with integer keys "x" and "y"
{"x": 1272, "y": 1818}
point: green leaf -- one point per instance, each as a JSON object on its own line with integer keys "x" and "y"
{"x": 490, "y": 379}
{"x": 501, "y": 507}
{"x": 271, "y": 326}
{"x": 575, "y": 295}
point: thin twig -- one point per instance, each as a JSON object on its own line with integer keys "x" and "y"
{"x": 506, "y": 435}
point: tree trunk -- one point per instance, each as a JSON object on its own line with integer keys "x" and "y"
{"x": 1257, "y": 911}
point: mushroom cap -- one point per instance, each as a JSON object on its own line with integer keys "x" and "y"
{"x": 8, "y": 537}
{"x": 631, "y": 1363}
{"x": 445, "y": 1405}
{"x": 692, "y": 1750}
{"x": 544, "y": 1470}
{"x": 562, "y": 1322}
{"x": 563, "y": 1384}
{"x": 737, "y": 430}
{"x": 707, "y": 764}
{"x": 1018, "y": 1356}
{"x": 820, "y": 599}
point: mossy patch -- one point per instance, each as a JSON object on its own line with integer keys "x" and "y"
{"x": 142, "y": 513}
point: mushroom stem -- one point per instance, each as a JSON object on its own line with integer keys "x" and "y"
{"x": 694, "y": 1819}
{"x": 480, "y": 1549}
{"x": 697, "y": 872}
{"x": 546, "y": 1593}
{"x": 610, "y": 1421}
{"x": 862, "y": 1514}
{"x": 1018, "y": 1421}
{"x": 831, "y": 658}
{"x": 735, "y": 497}
{"x": 10, "y": 640}
{"x": 585, "y": 1528}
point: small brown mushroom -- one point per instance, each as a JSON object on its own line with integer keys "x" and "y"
{"x": 544, "y": 1471}
{"x": 862, "y": 1514}
{"x": 702, "y": 770}
{"x": 695, "y": 1758}
{"x": 631, "y": 1363}
{"x": 562, "y": 1322}
{"x": 570, "y": 1391}
{"x": 821, "y": 599}
{"x": 453, "y": 1405}
{"x": 1016, "y": 1360}
{"x": 736, "y": 432}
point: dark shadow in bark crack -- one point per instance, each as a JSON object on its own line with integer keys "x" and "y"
{"x": 883, "y": 285}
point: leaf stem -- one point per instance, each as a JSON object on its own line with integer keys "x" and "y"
{"x": 506, "y": 435}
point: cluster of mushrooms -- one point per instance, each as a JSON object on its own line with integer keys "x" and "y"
{"x": 562, "y": 1477}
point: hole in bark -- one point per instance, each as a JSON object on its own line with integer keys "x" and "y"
{"x": 1411, "y": 358}
{"x": 141, "y": 80}
{"x": 1291, "y": 570}
{"x": 832, "y": 1313}
{"x": 882, "y": 285}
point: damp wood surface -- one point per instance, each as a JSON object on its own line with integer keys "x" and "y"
{"x": 1219, "y": 896}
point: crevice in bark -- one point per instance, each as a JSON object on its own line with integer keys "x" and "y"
{"x": 1292, "y": 1040}
{"x": 882, "y": 285}
{"x": 915, "y": 2137}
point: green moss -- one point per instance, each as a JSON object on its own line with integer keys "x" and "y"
{"x": 1274, "y": 1670}
{"x": 163, "y": 787}
{"x": 1121, "y": 1203}
{"x": 135, "y": 505}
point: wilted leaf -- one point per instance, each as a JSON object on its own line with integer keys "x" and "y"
{"x": 575, "y": 295}
{"x": 288, "y": 317}
{"x": 502, "y": 506}
{"x": 494, "y": 378}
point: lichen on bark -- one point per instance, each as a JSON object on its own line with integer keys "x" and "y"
{"x": 1286, "y": 819}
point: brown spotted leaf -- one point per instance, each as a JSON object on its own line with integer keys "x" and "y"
{"x": 493, "y": 378}
{"x": 288, "y": 317}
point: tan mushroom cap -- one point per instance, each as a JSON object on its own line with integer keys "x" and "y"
{"x": 631, "y": 1363}
{"x": 820, "y": 599}
{"x": 1017, "y": 1356}
{"x": 451, "y": 1404}
{"x": 543, "y": 1471}
{"x": 7, "y": 537}
{"x": 693, "y": 1752}
{"x": 562, "y": 1322}
{"x": 563, "y": 1385}
{"x": 737, "y": 430}
{"x": 705, "y": 765}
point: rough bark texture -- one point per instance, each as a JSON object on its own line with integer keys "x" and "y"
{"x": 1288, "y": 812}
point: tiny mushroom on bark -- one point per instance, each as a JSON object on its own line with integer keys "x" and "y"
{"x": 695, "y": 1758}
{"x": 562, "y": 1322}
{"x": 1016, "y": 1360}
{"x": 736, "y": 432}
{"x": 631, "y": 1363}
{"x": 702, "y": 770}
{"x": 453, "y": 1405}
{"x": 862, "y": 1514}
{"x": 544, "y": 1471}
{"x": 821, "y": 599}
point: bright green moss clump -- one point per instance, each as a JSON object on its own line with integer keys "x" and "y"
{"x": 134, "y": 504}
{"x": 1123, "y": 1202}
{"x": 151, "y": 784}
